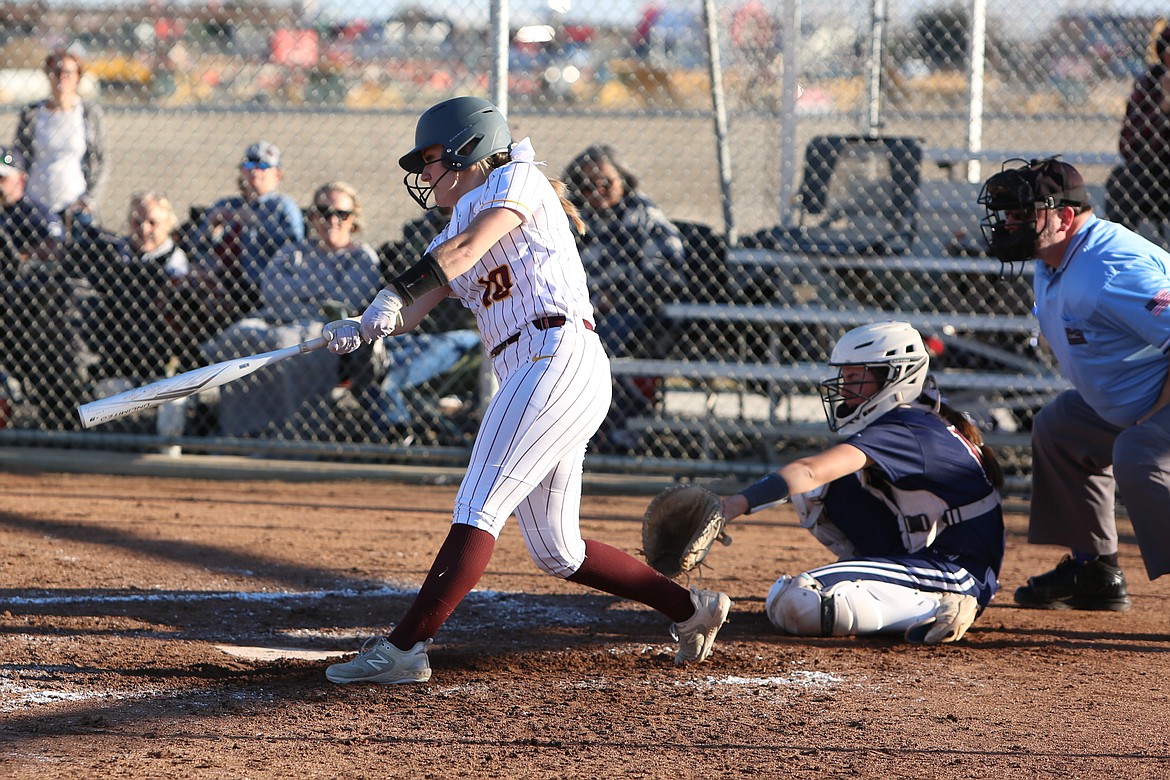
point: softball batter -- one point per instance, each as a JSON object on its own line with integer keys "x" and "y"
{"x": 509, "y": 255}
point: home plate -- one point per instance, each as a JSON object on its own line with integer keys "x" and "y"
{"x": 277, "y": 653}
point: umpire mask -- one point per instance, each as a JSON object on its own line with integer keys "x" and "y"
{"x": 1009, "y": 227}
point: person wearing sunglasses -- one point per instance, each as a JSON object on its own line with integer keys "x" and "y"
{"x": 330, "y": 274}
{"x": 238, "y": 235}
{"x": 63, "y": 141}
{"x": 635, "y": 260}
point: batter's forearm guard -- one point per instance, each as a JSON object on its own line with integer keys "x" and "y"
{"x": 418, "y": 280}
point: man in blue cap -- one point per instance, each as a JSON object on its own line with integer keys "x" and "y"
{"x": 239, "y": 234}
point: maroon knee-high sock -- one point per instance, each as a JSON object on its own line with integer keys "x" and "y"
{"x": 460, "y": 563}
{"x": 610, "y": 570}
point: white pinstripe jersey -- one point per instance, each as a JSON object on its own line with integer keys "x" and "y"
{"x": 534, "y": 271}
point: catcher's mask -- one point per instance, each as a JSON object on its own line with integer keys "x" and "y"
{"x": 894, "y": 358}
{"x": 467, "y": 128}
{"x": 1014, "y": 198}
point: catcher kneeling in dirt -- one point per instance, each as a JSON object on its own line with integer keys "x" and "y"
{"x": 909, "y": 502}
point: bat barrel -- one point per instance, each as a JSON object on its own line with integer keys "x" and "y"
{"x": 182, "y": 385}
{"x": 106, "y": 409}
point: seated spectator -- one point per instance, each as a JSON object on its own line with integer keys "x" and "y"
{"x": 132, "y": 327}
{"x": 37, "y": 296}
{"x": 634, "y": 259}
{"x": 238, "y": 235}
{"x": 36, "y": 232}
{"x": 1139, "y": 188}
{"x": 417, "y": 235}
{"x": 307, "y": 284}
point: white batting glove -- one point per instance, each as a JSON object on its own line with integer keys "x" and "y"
{"x": 382, "y": 316}
{"x": 343, "y": 336}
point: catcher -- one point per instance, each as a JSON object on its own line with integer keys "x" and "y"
{"x": 909, "y": 502}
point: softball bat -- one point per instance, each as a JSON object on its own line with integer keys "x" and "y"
{"x": 188, "y": 383}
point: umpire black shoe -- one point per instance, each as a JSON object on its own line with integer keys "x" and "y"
{"x": 1095, "y": 585}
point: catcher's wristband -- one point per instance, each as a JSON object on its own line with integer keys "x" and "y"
{"x": 418, "y": 280}
{"x": 769, "y": 490}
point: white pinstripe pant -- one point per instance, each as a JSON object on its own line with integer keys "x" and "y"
{"x": 530, "y": 450}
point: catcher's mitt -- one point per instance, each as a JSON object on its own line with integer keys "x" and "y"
{"x": 679, "y": 527}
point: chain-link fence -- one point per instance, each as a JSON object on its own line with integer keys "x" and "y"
{"x": 744, "y": 209}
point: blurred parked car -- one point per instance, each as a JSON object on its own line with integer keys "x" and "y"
{"x": 1105, "y": 45}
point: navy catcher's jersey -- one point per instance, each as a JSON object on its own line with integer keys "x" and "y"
{"x": 915, "y": 449}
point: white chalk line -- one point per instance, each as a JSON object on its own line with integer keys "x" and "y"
{"x": 798, "y": 678}
{"x": 518, "y": 609}
{"x": 14, "y": 696}
{"x": 186, "y": 597}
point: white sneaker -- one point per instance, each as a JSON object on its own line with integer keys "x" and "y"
{"x": 696, "y": 634}
{"x": 383, "y": 663}
{"x": 955, "y": 614}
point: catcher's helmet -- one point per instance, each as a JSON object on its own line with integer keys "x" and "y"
{"x": 894, "y": 351}
{"x": 1022, "y": 192}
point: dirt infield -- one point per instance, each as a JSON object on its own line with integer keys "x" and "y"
{"x": 129, "y": 606}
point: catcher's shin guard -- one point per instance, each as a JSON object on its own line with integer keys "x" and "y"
{"x": 796, "y": 604}
{"x": 801, "y": 606}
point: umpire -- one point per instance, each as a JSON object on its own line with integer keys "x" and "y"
{"x": 1102, "y": 297}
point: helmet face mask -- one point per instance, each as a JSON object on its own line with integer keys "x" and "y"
{"x": 419, "y": 190}
{"x": 880, "y": 366}
{"x": 468, "y": 129}
{"x": 1014, "y": 198}
{"x": 1009, "y": 227}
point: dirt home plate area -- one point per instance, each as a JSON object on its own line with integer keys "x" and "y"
{"x": 165, "y": 627}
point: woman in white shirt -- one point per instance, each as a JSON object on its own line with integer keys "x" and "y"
{"x": 62, "y": 139}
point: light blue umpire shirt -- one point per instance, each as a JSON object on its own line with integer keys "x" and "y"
{"x": 1106, "y": 314}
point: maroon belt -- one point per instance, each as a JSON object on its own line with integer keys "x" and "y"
{"x": 544, "y": 323}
